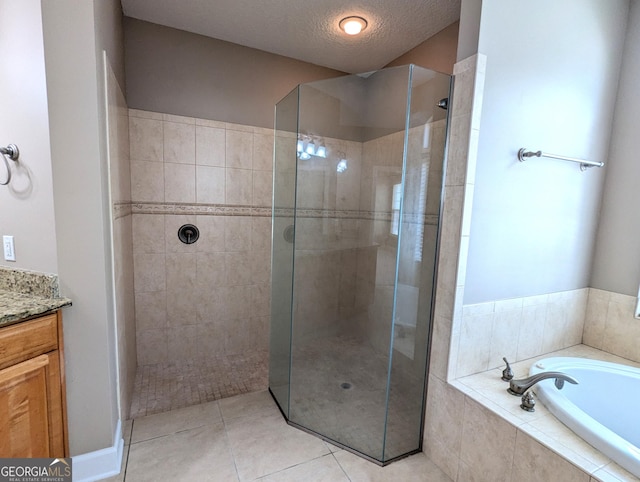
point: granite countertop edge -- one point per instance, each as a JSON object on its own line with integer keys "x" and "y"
{"x": 27, "y": 294}
{"x": 16, "y": 307}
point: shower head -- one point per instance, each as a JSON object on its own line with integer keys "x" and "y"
{"x": 444, "y": 103}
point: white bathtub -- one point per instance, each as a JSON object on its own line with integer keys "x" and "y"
{"x": 603, "y": 409}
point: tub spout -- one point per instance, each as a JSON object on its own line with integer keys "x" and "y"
{"x": 518, "y": 387}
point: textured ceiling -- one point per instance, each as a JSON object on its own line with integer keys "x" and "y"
{"x": 307, "y": 29}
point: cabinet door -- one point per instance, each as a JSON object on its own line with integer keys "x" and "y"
{"x": 30, "y": 408}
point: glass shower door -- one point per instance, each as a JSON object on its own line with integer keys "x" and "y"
{"x": 423, "y": 174}
{"x": 282, "y": 222}
{"x": 359, "y": 191}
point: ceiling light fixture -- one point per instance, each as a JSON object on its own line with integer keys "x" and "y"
{"x": 353, "y": 25}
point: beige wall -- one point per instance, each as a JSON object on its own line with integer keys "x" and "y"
{"x": 55, "y": 204}
{"x": 80, "y": 186}
{"x": 533, "y": 227}
{"x": 110, "y": 32}
{"x": 469, "y": 28}
{"x": 182, "y": 73}
{"x": 27, "y": 202}
{"x": 436, "y": 53}
{"x": 616, "y": 265}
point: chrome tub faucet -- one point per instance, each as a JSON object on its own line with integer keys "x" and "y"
{"x": 518, "y": 387}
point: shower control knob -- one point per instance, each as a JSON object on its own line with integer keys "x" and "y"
{"x": 188, "y": 233}
{"x": 289, "y": 233}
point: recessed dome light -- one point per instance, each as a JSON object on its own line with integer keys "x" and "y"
{"x": 353, "y": 25}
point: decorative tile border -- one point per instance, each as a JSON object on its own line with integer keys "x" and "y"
{"x": 121, "y": 209}
{"x": 124, "y": 209}
{"x": 200, "y": 209}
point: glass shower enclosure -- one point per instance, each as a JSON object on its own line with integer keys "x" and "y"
{"x": 358, "y": 176}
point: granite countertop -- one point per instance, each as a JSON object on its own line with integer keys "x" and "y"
{"x": 17, "y": 306}
{"x": 25, "y": 294}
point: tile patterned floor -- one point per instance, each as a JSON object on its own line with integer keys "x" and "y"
{"x": 169, "y": 386}
{"x": 245, "y": 438}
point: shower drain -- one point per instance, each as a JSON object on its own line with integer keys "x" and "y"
{"x": 345, "y": 385}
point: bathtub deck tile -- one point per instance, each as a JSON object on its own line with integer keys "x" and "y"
{"x": 566, "y": 438}
{"x": 487, "y": 389}
{"x": 564, "y": 442}
{"x": 614, "y": 473}
{"x": 493, "y": 391}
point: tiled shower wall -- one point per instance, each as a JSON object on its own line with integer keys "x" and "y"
{"x": 211, "y": 297}
{"x": 522, "y": 328}
{"x": 421, "y": 207}
{"x": 518, "y": 329}
{"x": 610, "y": 324}
{"x": 345, "y": 251}
{"x": 528, "y": 327}
{"x": 329, "y": 256}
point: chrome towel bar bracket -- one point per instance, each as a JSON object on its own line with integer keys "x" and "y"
{"x": 523, "y": 155}
{"x": 13, "y": 153}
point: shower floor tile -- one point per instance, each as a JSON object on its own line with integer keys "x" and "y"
{"x": 168, "y": 386}
{"x": 339, "y": 389}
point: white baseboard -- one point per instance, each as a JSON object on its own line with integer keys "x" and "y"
{"x": 100, "y": 464}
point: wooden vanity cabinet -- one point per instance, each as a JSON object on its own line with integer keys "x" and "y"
{"x": 32, "y": 389}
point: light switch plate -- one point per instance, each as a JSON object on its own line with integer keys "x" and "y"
{"x": 9, "y": 248}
